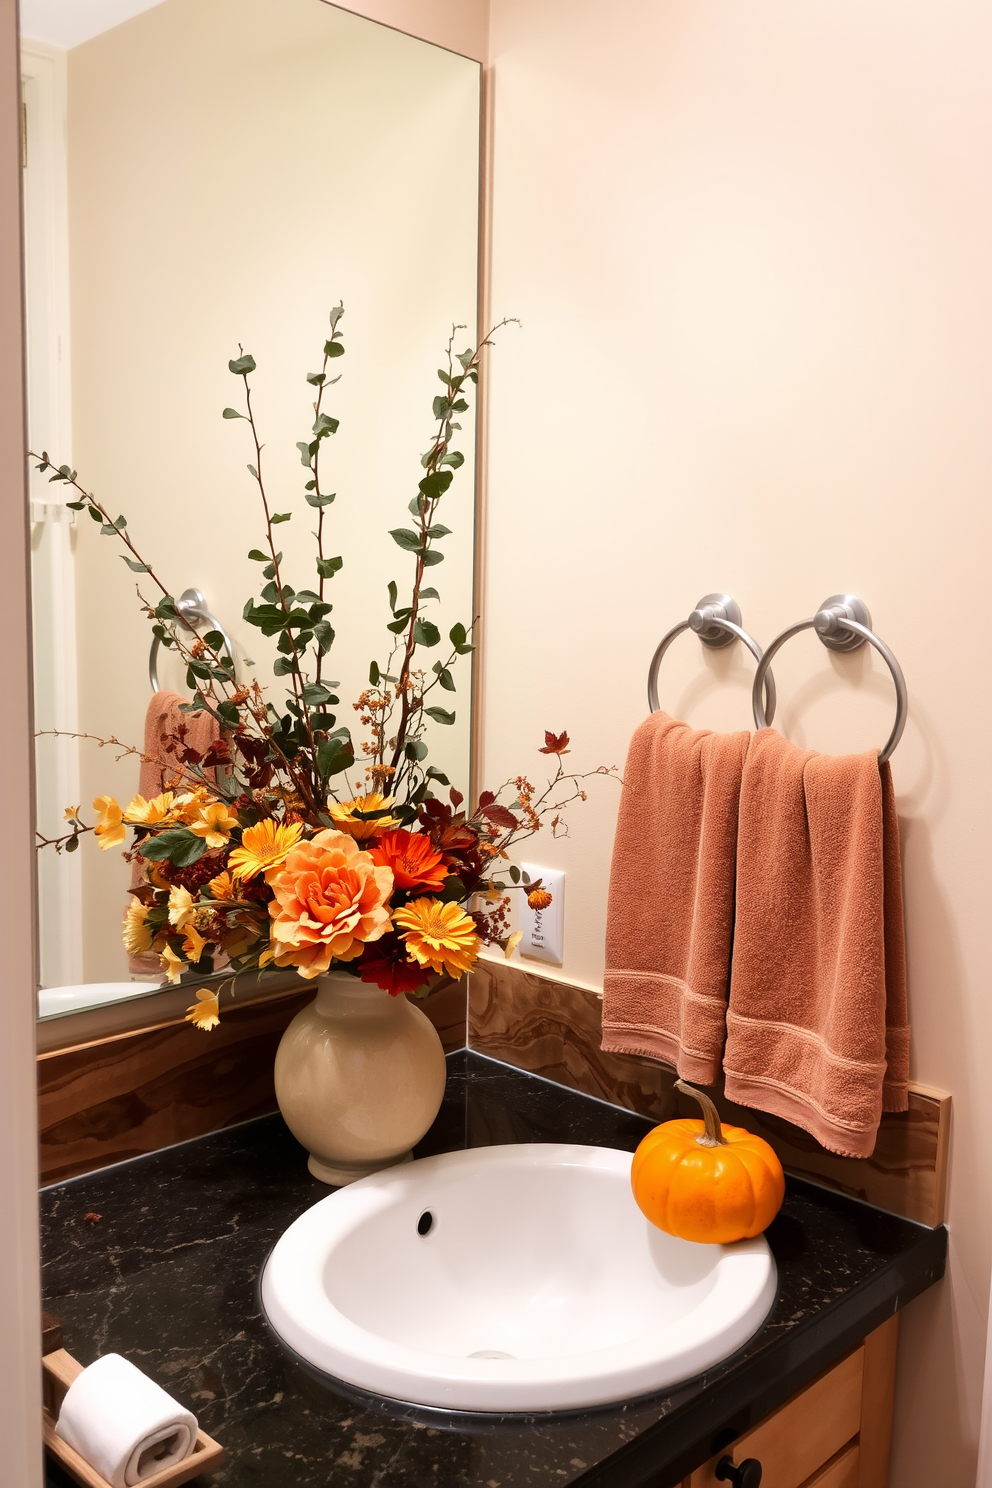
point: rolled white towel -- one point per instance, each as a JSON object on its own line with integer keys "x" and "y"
{"x": 123, "y": 1424}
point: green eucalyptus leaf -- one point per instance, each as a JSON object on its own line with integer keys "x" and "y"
{"x": 425, "y": 633}
{"x": 136, "y": 567}
{"x": 242, "y": 364}
{"x": 232, "y": 413}
{"x": 405, "y": 539}
{"x": 280, "y": 517}
{"x": 439, "y": 715}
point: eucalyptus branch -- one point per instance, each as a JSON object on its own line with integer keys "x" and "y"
{"x": 431, "y": 489}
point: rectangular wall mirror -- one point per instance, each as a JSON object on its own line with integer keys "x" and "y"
{"x": 202, "y": 175}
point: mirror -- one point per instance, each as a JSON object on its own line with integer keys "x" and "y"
{"x": 202, "y": 175}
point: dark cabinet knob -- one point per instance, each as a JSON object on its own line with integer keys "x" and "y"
{"x": 746, "y": 1474}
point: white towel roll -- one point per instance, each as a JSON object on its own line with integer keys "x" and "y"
{"x": 123, "y": 1424}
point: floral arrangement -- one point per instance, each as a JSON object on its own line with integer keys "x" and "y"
{"x": 280, "y": 843}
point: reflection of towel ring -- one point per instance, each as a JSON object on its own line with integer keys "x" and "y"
{"x": 843, "y": 624}
{"x": 193, "y": 613}
{"x": 717, "y": 622}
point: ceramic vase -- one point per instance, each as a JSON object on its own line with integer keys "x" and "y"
{"x": 359, "y": 1078}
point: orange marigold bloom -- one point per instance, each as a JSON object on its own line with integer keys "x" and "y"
{"x": 538, "y": 899}
{"x": 330, "y": 900}
{"x": 441, "y": 936}
{"x": 414, "y": 859}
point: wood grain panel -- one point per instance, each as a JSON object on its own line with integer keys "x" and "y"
{"x": 114, "y": 1098}
{"x": 796, "y": 1441}
{"x": 553, "y": 1029}
{"x": 877, "y": 1398}
{"x": 842, "y": 1472}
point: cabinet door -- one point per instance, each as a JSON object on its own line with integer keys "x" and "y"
{"x": 842, "y": 1472}
{"x": 800, "y": 1438}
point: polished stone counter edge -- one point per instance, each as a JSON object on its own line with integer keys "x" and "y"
{"x": 668, "y": 1451}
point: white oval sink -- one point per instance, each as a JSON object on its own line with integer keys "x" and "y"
{"x": 537, "y": 1284}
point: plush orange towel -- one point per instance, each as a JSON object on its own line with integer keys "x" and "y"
{"x": 816, "y": 1028}
{"x": 671, "y": 905}
{"x": 161, "y": 721}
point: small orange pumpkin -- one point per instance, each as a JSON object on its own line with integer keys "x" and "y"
{"x": 704, "y": 1181}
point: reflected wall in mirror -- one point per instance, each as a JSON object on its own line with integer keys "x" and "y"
{"x": 204, "y": 174}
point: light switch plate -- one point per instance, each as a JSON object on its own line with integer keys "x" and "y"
{"x": 544, "y": 929}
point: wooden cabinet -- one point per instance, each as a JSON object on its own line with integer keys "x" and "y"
{"x": 833, "y": 1434}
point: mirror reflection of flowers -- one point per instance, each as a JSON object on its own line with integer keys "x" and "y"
{"x": 286, "y": 842}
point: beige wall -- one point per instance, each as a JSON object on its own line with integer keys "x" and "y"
{"x": 750, "y": 243}
{"x": 274, "y": 161}
{"x": 462, "y": 25}
{"x": 20, "y": 1374}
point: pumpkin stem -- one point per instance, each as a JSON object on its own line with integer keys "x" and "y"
{"x": 713, "y": 1135}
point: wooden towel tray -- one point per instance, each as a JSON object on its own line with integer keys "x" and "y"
{"x": 59, "y": 1371}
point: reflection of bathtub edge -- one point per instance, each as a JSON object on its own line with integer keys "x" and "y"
{"x": 54, "y": 1002}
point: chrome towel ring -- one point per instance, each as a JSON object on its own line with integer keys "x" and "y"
{"x": 717, "y": 622}
{"x": 193, "y": 613}
{"x": 843, "y": 624}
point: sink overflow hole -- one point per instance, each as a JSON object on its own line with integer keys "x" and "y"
{"x": 491, "y": 1354}
{"x": 425, "y": 1223}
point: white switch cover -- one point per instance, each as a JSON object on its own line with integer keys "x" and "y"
{"x": 544, "y": 929}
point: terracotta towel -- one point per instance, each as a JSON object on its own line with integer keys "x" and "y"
{"x": 671, "y": 905}
{"x": 162, "y": 719}
{"x": 816, "y": 1028}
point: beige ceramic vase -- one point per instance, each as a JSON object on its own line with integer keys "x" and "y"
{"x": 359, "y": 1078}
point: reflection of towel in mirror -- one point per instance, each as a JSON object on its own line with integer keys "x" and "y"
{"x": 671, "y": 903}
{"x": 161, "y": 724}
{"x": 816, "y": 1027}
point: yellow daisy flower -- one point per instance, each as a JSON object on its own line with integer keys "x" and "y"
{"x": 205, "y": 1012}
{"x": 358, "y": 826}
{"x": 441, "y": 936}
{"x": 137, "y": 932}
{"x": 214, "y": 823}
{"x": 149, "y": 813}
{"x": 110, "y": 829}
{"x": 264, "y": 846}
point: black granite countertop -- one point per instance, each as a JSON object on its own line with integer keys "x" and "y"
{"x": 168, "y": 1276}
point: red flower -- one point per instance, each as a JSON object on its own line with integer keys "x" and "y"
{"x": 415, "y": 862}
{"x": 387, "y": 965}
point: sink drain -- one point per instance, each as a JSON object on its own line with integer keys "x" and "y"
{"x": 491, "y": 1354}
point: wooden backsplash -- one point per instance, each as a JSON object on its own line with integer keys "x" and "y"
{"x": 553, "y": 1029}
{"x": 116, "y": 1097}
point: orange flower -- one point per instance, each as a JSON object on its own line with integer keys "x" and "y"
{"x": 214, "y": 823}
{"x": 110, "y": 829}
{"x": 137, "y": 933}
{"x": 538, "y": 898}
{"x": 149, "y": 813}
{"x": 330, "y": 899}
{"x": 205, "y": 1012}
{"x": 415, "y": 862}
{"x": 222, "y": 887}
{"x": 441, "y": 936}
{"x": 365, "y": 817}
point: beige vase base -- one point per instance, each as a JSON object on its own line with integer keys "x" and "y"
{"x": 342, "y": 1173}
{"x": 359, "y": 1078}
